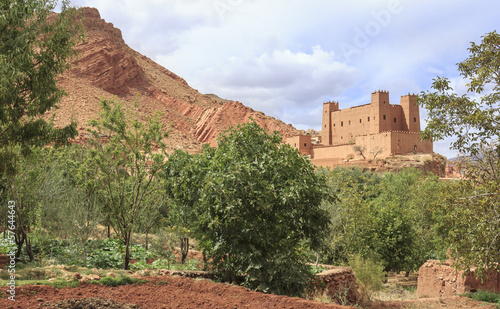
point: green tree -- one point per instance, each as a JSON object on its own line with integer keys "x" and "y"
{"x": 387, "y": 218}
{"x": 183, "y": 182}
{"x": 472, "y": 225}
{"x": 261, "y": 210}
{"x": 474, "y": 120}
{"x": 349, "y": 214}
{"x": 34, "y": 51}
{"x": 70, "y": 203}
{"x": 129, "y": 154}
{"x": 24, "y": 189}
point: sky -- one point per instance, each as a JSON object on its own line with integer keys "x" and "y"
{"x": 286, "y": 57}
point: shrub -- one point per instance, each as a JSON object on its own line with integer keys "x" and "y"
{"x": 369, "y": 275}
{"x": 489, "y": 297}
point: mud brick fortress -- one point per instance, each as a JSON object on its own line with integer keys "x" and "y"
{"x": 375, "y": 130}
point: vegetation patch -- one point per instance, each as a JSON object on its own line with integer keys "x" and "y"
{"x": 489, "y": 297}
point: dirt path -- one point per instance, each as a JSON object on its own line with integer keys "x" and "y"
{"x": 162, "y": 292}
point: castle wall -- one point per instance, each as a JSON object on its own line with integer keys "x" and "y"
{"x": 341, "y": 125}
{"x": 378, "y": 129}
{"x": 379, "y": 145}
{"x": 351, "y": 122}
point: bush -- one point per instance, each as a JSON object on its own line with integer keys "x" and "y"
{"x": 106, "y": 254}
{"x": 369, "y": 275}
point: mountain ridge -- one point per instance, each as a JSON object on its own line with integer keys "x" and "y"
{"x": 107, "y": 67}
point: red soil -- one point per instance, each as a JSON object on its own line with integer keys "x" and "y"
{"x": 162, "y": 292}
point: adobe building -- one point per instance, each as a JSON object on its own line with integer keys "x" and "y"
{"x": 375, "y": 130}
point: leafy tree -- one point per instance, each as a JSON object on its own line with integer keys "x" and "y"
{"x": 24, "y": 188}
{"x": 129, "y": 154}
{"x": 389, "y": 218}
{"x": 349, "y": 214}
{"x": 34, "y": 51}
{"x": 261, "y": 210}
{"x": 472, "y": 225}
{"x": 474, "y": 120}
{"x": 70, "y": 203}
{"x": 151, "y": 218}
{"x": 183, "y": 182}
{"x": 403, "y": 222}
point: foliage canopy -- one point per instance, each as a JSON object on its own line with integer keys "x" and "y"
{"x": 35, "y": 48}
{"x": 472, "y": 207}
{"x": 260, "y": 203}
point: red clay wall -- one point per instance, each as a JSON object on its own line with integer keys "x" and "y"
{"x": 436, "y": 279}
{"x": 340, "y": 284}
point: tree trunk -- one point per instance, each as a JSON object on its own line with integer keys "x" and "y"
{"x": 204, "y": 256}
{"x": 184, "y": 248}
{"x": 407, "y": 274}
{"x": 29, "y": 249}
{"x": 127, "y": 252}
{"x": 109, "y": 231}
{"x": 147, "y": 239}
{"x": 19, "y": 242}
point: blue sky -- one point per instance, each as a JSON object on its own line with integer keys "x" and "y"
{"x": 286, "y": 57}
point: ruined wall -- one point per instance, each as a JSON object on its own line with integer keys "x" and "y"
{"x": 436, "y": 279}
{"x": 339, "y": 283}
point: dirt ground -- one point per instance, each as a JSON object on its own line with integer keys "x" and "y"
{"x": 161, "y": 292}
{"x": 181, "y": 292}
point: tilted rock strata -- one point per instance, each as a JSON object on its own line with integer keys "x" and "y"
{"x": 106, "y": 67}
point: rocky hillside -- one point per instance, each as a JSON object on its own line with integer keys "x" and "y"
{"x": 107, "y": 67}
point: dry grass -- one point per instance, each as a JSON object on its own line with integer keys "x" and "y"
{"x": 398, "y": 287}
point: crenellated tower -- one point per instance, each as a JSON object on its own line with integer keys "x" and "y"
{"x": 326, "y": 129}
{"x": 381, "y": 105}
{"x": 411, "y": 112}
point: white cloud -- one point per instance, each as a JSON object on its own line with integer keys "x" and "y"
{"x": 281, "y": 83}
{"x": 434, "y": 71}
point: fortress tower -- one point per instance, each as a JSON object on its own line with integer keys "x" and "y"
{"x": 326, "y": 130}
{"x": 411, "y": 112}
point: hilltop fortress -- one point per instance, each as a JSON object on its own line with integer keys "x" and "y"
{"x": 371, "y": 131}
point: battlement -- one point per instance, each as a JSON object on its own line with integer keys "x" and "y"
{"x": 409, "y": 95}
{"x": 380, "y": 91}
{"x": 333, "y": 106}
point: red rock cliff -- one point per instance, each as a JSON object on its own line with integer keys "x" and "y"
{"x": 107, "y": 67}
